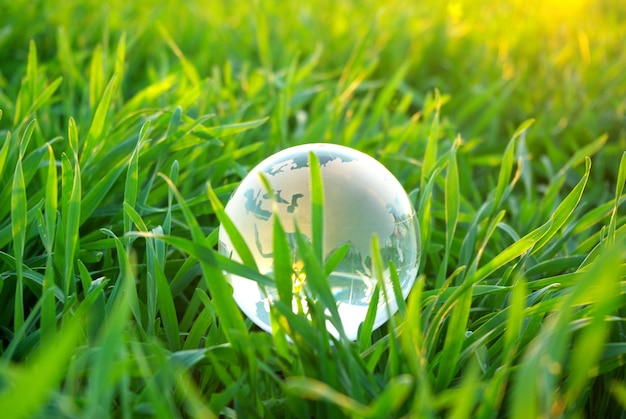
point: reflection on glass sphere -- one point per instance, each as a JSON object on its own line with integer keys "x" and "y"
{"x": 361, "y": 199}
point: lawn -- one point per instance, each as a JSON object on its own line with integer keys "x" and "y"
{"x": 126, "y": 126}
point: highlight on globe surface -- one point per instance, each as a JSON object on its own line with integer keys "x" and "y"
{"x": 361, "y": 199}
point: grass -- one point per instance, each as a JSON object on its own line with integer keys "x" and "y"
{"x": 125, "y": 127}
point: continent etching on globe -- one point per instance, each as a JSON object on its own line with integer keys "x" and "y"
{"x": 362, "y": 199}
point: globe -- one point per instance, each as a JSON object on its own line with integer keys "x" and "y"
{"x": 362, "y": 199}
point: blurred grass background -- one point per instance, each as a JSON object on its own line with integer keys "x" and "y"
{"x": 501, "y": 63}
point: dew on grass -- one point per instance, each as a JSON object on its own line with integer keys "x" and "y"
{"x": 361, "y": 199}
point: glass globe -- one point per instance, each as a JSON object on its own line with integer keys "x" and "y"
{"x": 361, "y": 199}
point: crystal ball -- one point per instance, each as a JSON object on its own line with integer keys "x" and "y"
{"x": 361, "y": 199}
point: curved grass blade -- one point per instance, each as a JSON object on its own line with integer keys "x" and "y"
{"x": 565, "y": 209}
{"x": 212, "y": 264}
{"x": 239, "y": 243}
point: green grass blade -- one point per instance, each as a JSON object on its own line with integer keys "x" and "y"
{"x": 283, "y": 263}
{"x": 619, "y": 188}
{"x": 48, "y": 311}
{"x": 308, "y": 388}
{"x": 213, "y": 263}
{"x": 317, "y": 206}
{"x": 162, "y": 289}
{"x": 226, "y": 130}
{"x": 425, "y": 213}
{"x": 122, "y": 302}
{"x": 335, "y": 258}
{"x": 317, "y": 280}
{"x": 455, "y": 336}
{"x": 28, "y": 89}
{"x": 96, "y": 77}
{"x": 51, "y": 199}
{"x": 34, "y": 383}
{"x": 71, "y": 188}
{"x": 94, "y": 135}
{"x": 46, "y": 95}
{"x": 131, "y": 187}
{"x": 199, "y": 330}
{"x": 94, "y": 197}
{"x": 120, "y": 57}
{"x": 452, "y": 194}
{"x": 188, "y": 68}
{"x": 504, "y": 175}
{"x": 212, "y": 258}
{"x": 18, "y": 228}
{"x": 364, "y": 338}
{"x": 165, "y": 299}
{"x": 550, "y": 197}
{"x": 393, "y": 397}
{"x": 515, "y": 250}
{"x": 543, "y": 362}
{"x": 4, "y": 152}
{"x": 565, "y": 208}
{"x": 378, "y": 269}
{"x": 239, "y": 243}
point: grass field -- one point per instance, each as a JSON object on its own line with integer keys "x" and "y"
{"x": 125, "y": 126}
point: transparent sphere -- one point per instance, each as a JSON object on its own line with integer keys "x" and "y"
{"x": 361, "y": 199}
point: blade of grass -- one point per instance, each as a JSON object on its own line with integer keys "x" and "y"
{"x": 35, "y": 382}
{"x": 565, "y": 209}
{"x": 455, "y": 336}
{"x": 451, "y": 205}
{"x": 316, "y": 280}
{"x": 165, "y": 299}
{"x": 283, "y": 269}
{"x": 239, "y": 243}
{"x": 51, "y": 200}
{"x": 96, "y": 77}
{"x": 28, "y": 88}
{"x": 162, "y": 290}
{"x": 425, "y": 214}
{"x": 543, "y": 362}
{"x": 4, "y": 152}
{"x": 212, "y": 264}
{"x": 92, "y": 140}
{"x": 504, "y": 175}
{"x": 45, "y": 96}
{"x": 71, "y": 193}
{"x": 550, "y": 197}
{"x": 122, "y": 302}
{"x": 364, "y": 336}
{"x": 393, "y": 397}
{"x": 188, "y": 68}
{"x": 619, "y": 188}
{"x": 130, "y": 189}
{"x": 430, "y": 155}
{"x": 317, "y": 206}
{"x": 120, "y": 57}
{"x": 226, "y": 130}
{"x": 18, "y": 229}
{"x": 309, "y": 388}
{"x": 48, "y": 311}
{"x": 412, "y": 341}
{"x": 378, "y": 269}
{"x": 210, "y": 257}
{"x": 496, "y": 388}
